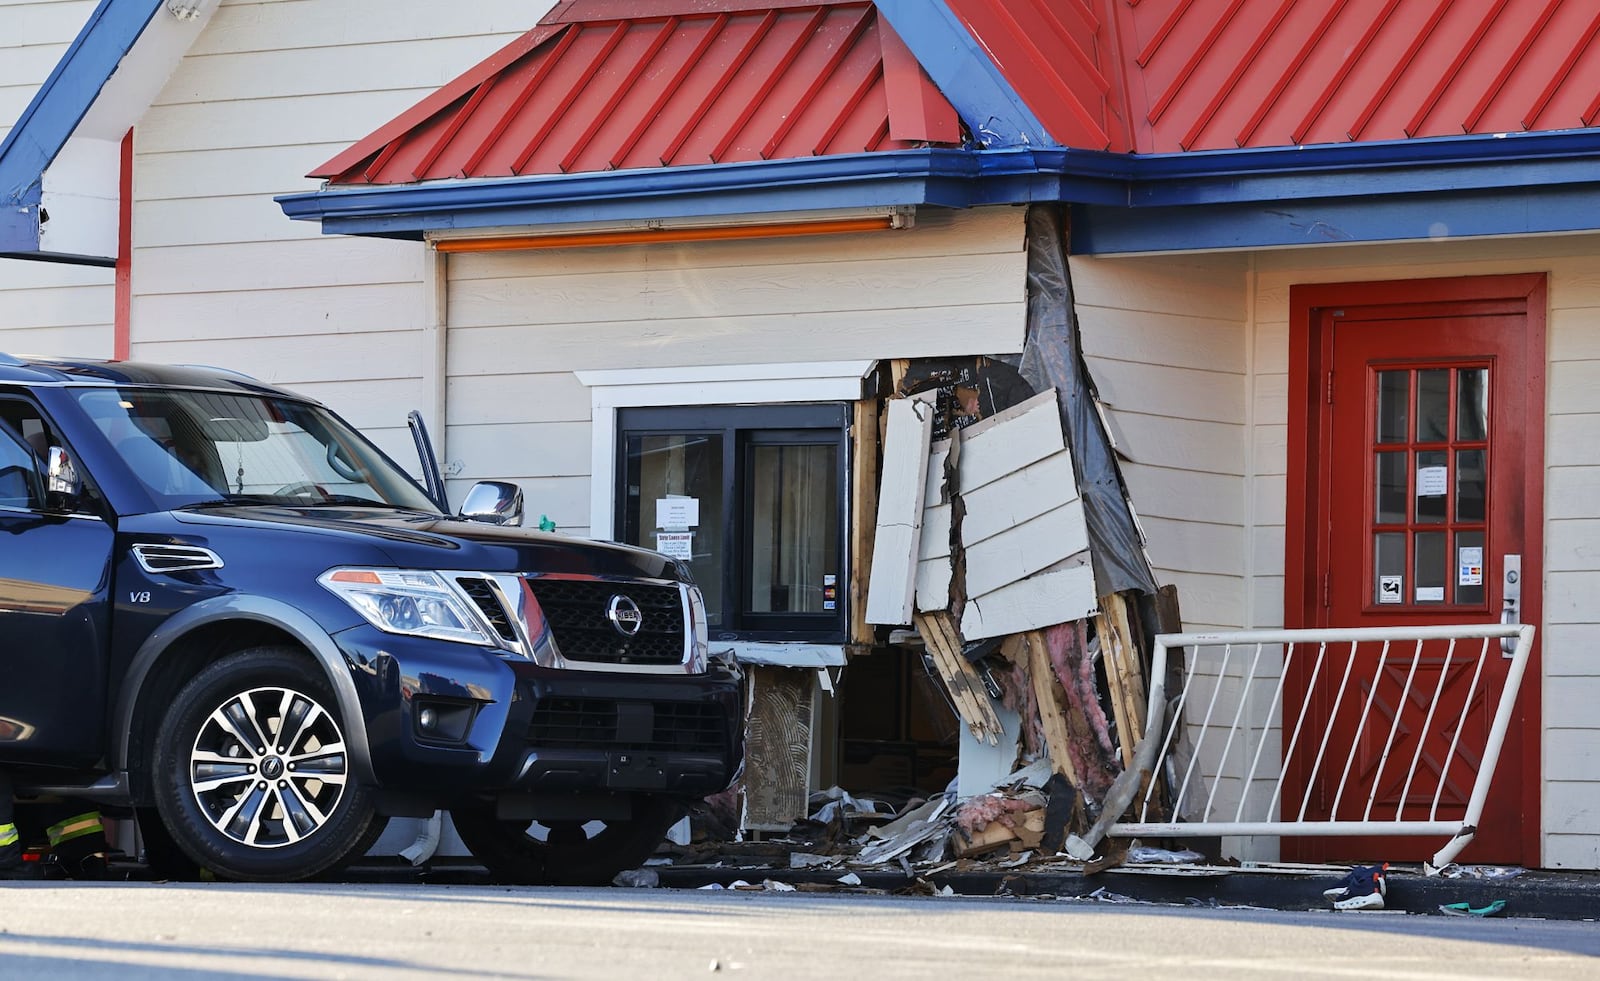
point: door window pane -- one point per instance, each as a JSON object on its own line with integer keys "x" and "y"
{"x": 1392, "y": 487}
{"x": 1472, "y": 403}
{"x": 1429, "y": 574}
{"x": 1389, "y": 554}
{"x": 1471, "y": 485}
{"x": 1433, "y": 486}
{"x": 1433, "y": 405}
{"x": 678, "y": 468}
{"x": 794, "y": 541}
{"x": 1393, "y": 400}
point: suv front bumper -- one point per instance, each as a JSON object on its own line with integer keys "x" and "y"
{"x": 512, "y": 727}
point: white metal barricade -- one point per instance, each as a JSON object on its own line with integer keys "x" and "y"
{"x": 1221, "y": 726}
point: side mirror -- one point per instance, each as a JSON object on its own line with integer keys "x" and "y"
{"x": 493, "y": 502}
{"x": 62, "y": 484}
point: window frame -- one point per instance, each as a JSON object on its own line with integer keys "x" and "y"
{"x": 743, "y": 428}
{"x": 611, "y": 390}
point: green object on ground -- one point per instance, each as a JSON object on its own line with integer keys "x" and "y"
{"x": 1467, "y": 909}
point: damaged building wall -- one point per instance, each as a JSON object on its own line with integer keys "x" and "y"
{"x": 522, "y": 322}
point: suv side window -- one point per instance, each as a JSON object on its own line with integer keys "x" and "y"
{"x": 24, "y": 424}
{"x": 21, "y": 486}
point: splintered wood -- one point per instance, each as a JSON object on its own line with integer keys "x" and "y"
{"x": 959, "y": 676}
{"x": 1124, "y": 673}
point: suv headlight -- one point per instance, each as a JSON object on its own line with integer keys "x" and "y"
{"x": 400, "y": 601}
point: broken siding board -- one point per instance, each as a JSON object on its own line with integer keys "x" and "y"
{"x": 1025, "y": 549}
{"x": 1038, "y": 601}
{"x": 933, "y": 584}
{"x": 891, "y": 587}
{"x": 1018, "y": 497}
{"x": 1011, "y": 440}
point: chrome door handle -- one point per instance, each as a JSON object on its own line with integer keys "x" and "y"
{"x": 1511, "y": 599}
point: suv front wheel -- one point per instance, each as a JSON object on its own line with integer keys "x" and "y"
{"x": 252, "y": 771}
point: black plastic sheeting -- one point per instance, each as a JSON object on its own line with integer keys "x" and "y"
{"x": 1052, "y": 357}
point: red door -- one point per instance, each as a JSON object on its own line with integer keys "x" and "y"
{"x": 1423, "y": 443}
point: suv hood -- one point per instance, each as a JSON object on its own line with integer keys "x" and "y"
{"x": 424, "y": 541}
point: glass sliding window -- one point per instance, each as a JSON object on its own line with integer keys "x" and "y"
{"x": 664, "y": 473}
{"x": 752, "y": 497}
{"x": 794, "y": 519}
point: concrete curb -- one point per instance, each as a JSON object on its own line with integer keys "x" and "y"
{"x": 1545, "y": 895}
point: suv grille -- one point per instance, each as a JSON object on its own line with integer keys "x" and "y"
{"x": 602, "y": 723}
{"x": 576, "y": 612}
{"x": 483, "y": 597}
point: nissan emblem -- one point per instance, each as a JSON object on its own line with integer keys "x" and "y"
{"x": 624, "y": 615}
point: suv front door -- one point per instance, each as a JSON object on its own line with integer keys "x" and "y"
{"x": 54, "y": 608}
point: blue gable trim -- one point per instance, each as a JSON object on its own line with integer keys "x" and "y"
{"x": 969, "y": 78}
{"x": 57, "y": 108}
{"x": 1530, "y": 183}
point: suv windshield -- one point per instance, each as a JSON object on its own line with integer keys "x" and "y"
{"x": 196, "y": 447}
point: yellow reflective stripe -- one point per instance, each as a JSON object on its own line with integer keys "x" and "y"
{"x": 75, "y": 827}
{"x": 8, "y": 835}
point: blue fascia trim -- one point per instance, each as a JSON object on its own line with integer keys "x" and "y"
{"x": 964, "y": 72}
{"x": 1180, "y": 186}
{"x": 1102, "y": 230}
{"x": 60, "y": 104}
{"x": 856, "y": 180}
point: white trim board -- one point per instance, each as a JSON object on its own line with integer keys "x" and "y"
{"x": 729, "y": 384}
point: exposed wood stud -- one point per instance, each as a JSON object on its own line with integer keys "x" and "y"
{"x": 960, "y": 677}
{"x": 1047, "y": 693}
{"x": 1124, "y": 672}
{"x": 863, "y": 514}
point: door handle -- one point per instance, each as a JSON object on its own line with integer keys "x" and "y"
{"x": 1511, "y": 599}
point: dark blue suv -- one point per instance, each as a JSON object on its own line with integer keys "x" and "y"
{"x": 224, "y": 608}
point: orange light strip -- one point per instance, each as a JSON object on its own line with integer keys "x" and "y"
{"x": 647, "y": 236}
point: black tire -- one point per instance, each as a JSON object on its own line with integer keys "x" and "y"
{"x": 261, "y": 812}
{"x": 568, "y": 854}
{"x": 162, "y": 855}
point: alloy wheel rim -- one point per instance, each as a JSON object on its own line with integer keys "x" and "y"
{"x": 268, "y": 767}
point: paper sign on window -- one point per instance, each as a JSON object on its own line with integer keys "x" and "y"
{"x": 677, "y": 513}
{"x": 1433, "y": 481}
{"x": 1469, "y": 562}
{"x": 1389, "y": 590}
{"x": 675, "y": 544}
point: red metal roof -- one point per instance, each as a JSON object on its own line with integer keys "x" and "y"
{"x": 1161, "y": 76}
{"x": 612, "y": 84}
